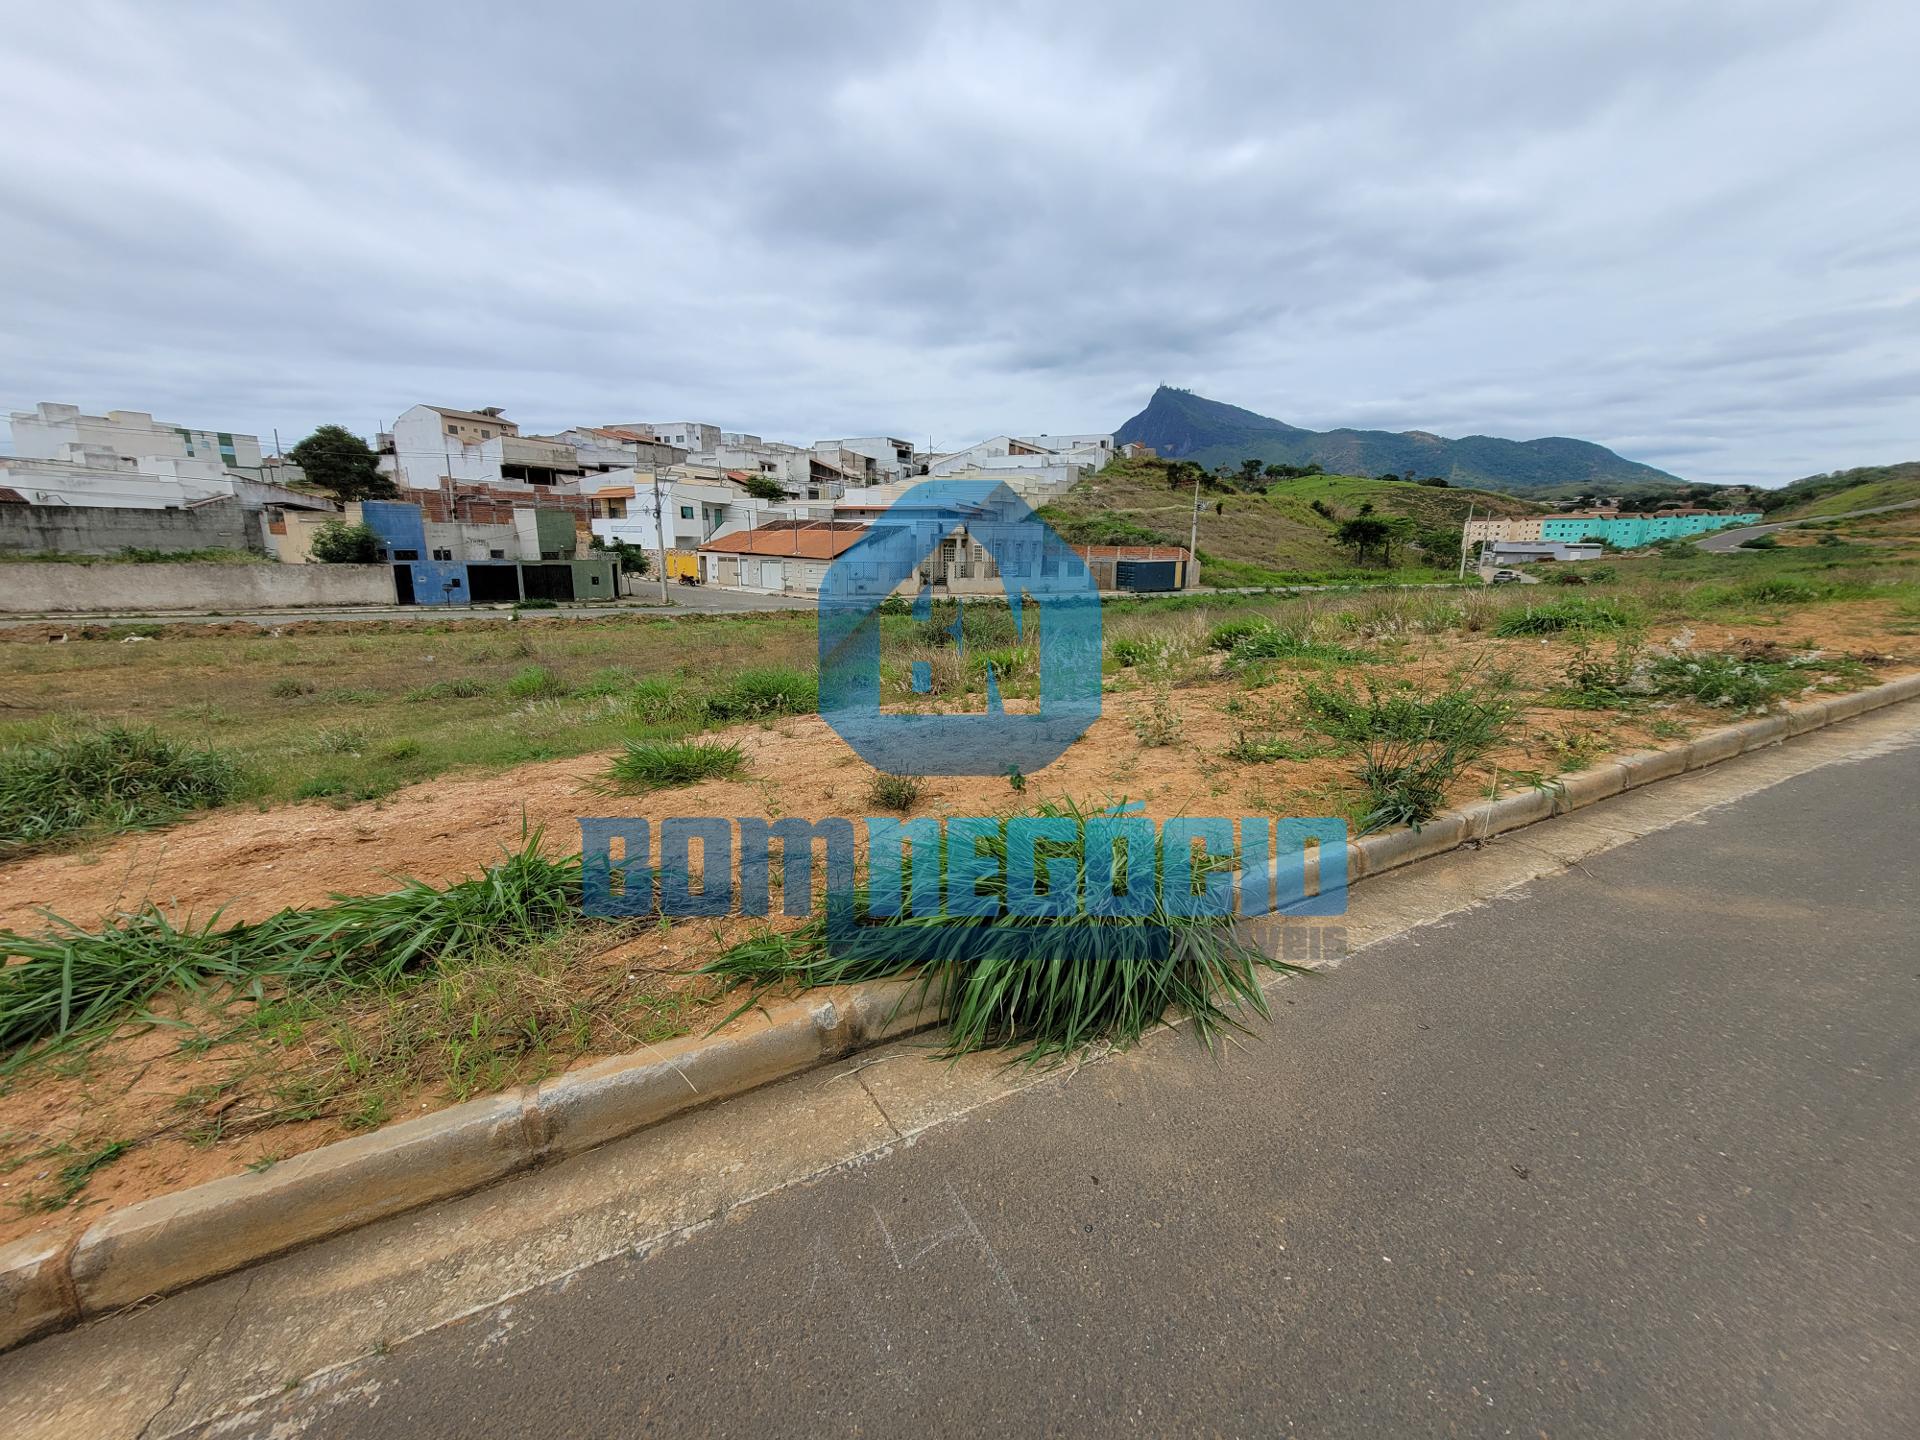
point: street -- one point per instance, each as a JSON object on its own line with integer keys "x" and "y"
{"x": 1637, "y": 1153}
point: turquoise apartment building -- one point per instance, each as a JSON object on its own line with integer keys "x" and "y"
{"x": 1629, "y": 532}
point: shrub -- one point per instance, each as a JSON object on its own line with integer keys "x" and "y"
{"x": 1560, "y": 615}
{"x": 895, "y": 792}
{"x": 290, "y": 688}
{"x": 662, "y": 764}
{"x": 1157, "y": 723}
{"x": 1129, "y": 652}
{"x": 336, "y": 543}
{"x": 1768, "y": 541}
{"x": 114, "y": 778}
{"x": 770, "y": 690}
{"x": 1726, "y": 682}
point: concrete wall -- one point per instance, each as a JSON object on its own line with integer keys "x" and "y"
{"x": 53, "y": 587}
{"x": 109, "y": 529}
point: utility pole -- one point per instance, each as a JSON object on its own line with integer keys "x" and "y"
{"x": 1193, "y": 529}
{"x": 1463, "y": 540}
{"x": 660, "y": 535}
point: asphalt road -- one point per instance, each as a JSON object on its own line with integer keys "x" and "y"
{"x": 1722, "y": 540}
{"x": 1634, "y": 1154}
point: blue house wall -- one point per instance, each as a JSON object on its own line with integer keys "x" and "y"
{"x": 402, "y": 532}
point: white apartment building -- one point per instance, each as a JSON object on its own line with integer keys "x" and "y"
{"x": 695, "y": 506}
{"x": 58, "y": 432}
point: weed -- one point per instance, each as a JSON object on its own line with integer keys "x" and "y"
{"x": 290, "y": 688}
{"x": 1015, "y": 779}
{"x": 72, "y": 1178}
{"x": 1156, "y": 723}
{"x": 1129, "y": 652}
{"x": 1411, "y": 745}
{"x": 895, "y": 792}
{"x": 662, "y": 764}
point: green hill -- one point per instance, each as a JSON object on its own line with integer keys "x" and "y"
{"x": 1271, "y": 534}
{"x": 1180, "y": 425}
{"x": 1844, "y": 490}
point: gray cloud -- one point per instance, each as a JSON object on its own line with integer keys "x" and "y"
{"x": 1688, "y": 232}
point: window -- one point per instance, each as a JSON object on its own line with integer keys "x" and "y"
{"x": 496, "y": 554}
{"x": 453, "y": 429}
{"x": 443, "y": 554}
{"x": 406, "y": 554}
{"x": 686, "y": 512}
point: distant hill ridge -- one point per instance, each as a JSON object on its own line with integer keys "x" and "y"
{"x": 1183, "y": 426}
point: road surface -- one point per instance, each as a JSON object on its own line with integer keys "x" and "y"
{"x": 1723, "y": 540}
{"x": 1637, "y": 1153}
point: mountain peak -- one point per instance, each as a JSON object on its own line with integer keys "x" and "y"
{"x": 1181, "y": 425}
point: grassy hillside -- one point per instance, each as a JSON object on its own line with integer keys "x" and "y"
{"x": 1845, "y": 490}
{"x": 1272, "y": 535}
{"x": 1181, "y": 425}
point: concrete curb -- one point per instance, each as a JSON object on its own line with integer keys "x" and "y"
{"x": 168, "y": 1243}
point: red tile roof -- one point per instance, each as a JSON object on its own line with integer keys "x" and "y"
{"x": 802, "y": 540}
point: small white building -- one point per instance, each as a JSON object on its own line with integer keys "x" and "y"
{"x": 690, "y": 435}
{"x": 871, "y": 459}
{"x": 695, "y": 507}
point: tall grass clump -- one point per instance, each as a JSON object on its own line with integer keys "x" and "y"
{"x": 113, "y": 778}
{"x": 1557, "y": 616}
{"x": 71, "y": 985}
{"x": 1411, "y": 745}
{"x": 662, "y": 764}
{"x": 1048, "y": 986}
{"x": 766, "y": 690}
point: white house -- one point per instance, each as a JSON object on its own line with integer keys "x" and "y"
{"x": 870, "y": 459}
{"x": 695, "y": 507}
{"x": 432, "y": 444}
{"x": 689, "y": 435}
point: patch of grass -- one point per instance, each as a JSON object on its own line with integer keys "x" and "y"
{"x": 113, "y": 778}
{"x": 1048, "y": 987}
{"x": 1229, "y": 633}
{"x": 1557, "y": 616}
{"x": 290, "y": 688}
{"x": 607, "y": 681}
{"x": 72, "y": 1178}
{"x": 663, "y": 764}
{"x": 73, "y": 985}
{"x": 465, "y": 688}
{"x": 1411, "y": 745}
{"x": 895, "y": 792}
{"x": 765, "y": 690}
{"x": 537, "y": 682}
{"x": 1129, "y": 652}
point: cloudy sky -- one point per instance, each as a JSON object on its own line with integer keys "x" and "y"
{"x": 1687, "y": 230}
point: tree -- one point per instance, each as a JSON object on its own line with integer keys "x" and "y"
{"x": 1250, "y": 469}
{"x": 337, "y": 543}
{"x": 763, "y": 487}
{"x": 1364, "y": 533}
{"x": 1438, "y": 482}
{"x": 1366, "y": 507}
{"x": 1391, "y": 478}
{"x": 340, "y": 462}
{"x": 632, "y": 558}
